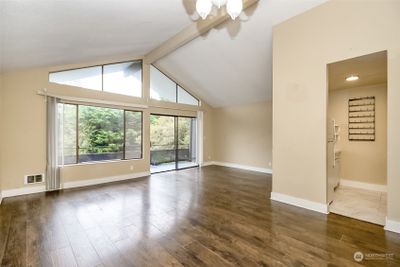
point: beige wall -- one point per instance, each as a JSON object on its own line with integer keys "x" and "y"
{"x": 208, "y": 134}
{"x": 361, "y": 161}
{"x": 1, "y": 125}
{"x": 302, "y": 48}
{"x": 23, "y": 140}
{"x": 243, "y": 134}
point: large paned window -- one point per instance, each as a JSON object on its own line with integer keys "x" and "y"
{"x": 90, "y": 133}
{"x": 161, "y": 87}
{"x": 164, "y": 89}
{"x": 89, "y": 78}
{"x": 184, "y": 97}
{"x": 120, "y": 78}
{"x": 123, "y": 78}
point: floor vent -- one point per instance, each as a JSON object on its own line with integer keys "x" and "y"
{"x": 34, "y": 179}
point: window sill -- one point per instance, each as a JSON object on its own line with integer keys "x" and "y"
{"x": 98, "y": 162}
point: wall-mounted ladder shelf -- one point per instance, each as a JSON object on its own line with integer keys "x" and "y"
{"x": 362, "y": 119}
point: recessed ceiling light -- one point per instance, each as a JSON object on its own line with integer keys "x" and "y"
{"x": 352, "y": 78}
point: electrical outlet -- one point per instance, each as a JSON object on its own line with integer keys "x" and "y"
{"x": 38, "y": 178}
{"x": 209, "y": 157}
{"x": 270, "y": 163}
{"x": 30, "y": 179}
{"x": 131, "y": 167}
{"x": 34, "y": 178}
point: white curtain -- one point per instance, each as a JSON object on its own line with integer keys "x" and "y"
{"x": 52, "y": 169}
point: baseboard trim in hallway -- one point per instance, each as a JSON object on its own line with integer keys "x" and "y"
{"x": 392, "y": 226}
{"x": 238, "y": 166}
{"x": 300, "y": 202}
{"x": 362, "y": 185}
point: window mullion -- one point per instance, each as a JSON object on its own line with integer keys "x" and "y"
{"x": 124, "y": 145}
{"x": 77, "y": 134}
{"x": 102, "y": 78}
{"x": 176, "y": 125}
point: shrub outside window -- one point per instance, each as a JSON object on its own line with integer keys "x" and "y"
{"x": 91, "y": 133}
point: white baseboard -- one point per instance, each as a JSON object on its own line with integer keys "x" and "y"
{"x": 362, "y": 185}
{"x": 393, "y": 226}
{"x": 38, "y": 189}
{"x": 300, "y": 202}
{"x": 23, "y": 191}
{"x": 207, "y": 163}
{"x": 104, "y": 180}
{"x": 240, "y": 166}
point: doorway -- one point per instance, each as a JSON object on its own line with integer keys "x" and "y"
{"x": 173, "y": 142}
{"x": 357, "y": 137}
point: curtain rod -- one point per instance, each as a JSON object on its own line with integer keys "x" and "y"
{"x": 44, "y": 92}
{"x": 177, "y": 109}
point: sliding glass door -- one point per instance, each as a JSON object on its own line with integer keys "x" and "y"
{"x": 172, "y": 142}
{"x": 186, "y": 142}
{"x": 162, "y": 143}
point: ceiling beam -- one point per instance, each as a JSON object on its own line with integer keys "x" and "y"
{"x": 193, "y": 31}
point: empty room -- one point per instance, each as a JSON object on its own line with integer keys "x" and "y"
{"x": 199, "y": 133}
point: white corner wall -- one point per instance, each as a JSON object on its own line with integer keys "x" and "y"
{"x": 302, "y": 48}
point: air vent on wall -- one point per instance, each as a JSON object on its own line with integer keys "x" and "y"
{"x": 34, "y": 179}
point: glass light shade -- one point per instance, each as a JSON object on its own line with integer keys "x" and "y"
{"x": 234, "y": 8}
{"x": 203, "y": 7}
{"x": 219, "y": 3}
{"x": 352, "y": 78}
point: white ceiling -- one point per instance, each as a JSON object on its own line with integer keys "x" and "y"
{"x": 37, "y": 33}
{"x": 232, "y": 64}
{"x": 371, "y": 69}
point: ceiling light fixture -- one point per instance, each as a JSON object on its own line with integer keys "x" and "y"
{"x": 219, "y": 3}
{"x": 352, "y": 78}
{"x": 203, "y": 7}
{"x": 233, "y": 7}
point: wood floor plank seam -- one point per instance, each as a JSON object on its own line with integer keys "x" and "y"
{"x": 6, "y": 242}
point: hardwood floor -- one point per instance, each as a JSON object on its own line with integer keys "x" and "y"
{"x": 213, "y": 216}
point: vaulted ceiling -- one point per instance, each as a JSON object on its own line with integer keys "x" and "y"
{"x": 57, "y": 32}
{"x": 232, "y": 64}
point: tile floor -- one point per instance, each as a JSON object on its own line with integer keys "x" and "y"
{"x": 360, "y": 204}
